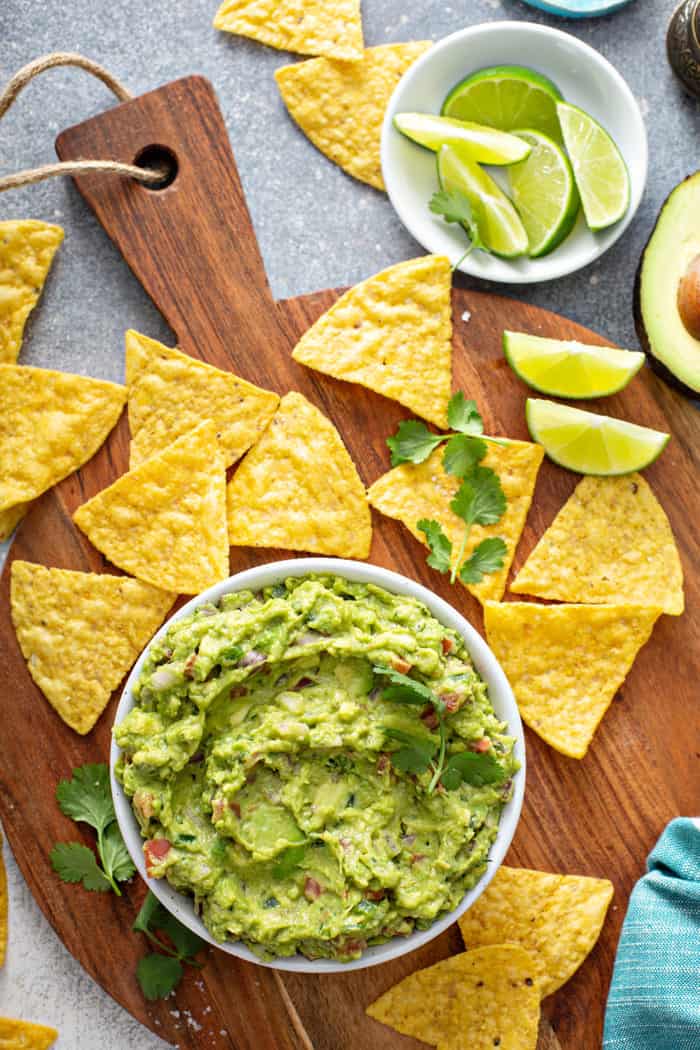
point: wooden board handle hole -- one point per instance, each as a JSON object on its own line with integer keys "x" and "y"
{"x": 160, "y": 158}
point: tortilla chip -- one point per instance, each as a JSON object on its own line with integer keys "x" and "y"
{"x": 392, "y": 334}
{"x": 50, "y": 424}
{"x": 171, "y": 393}
{"x": 411, "y": 492}
{"x": 309, "y": 27}
{"x": 10, "y": 519}
{"x": 610, "y": 542}
{"x": 566, "y": 662}
{"x": 298, "y": 488}
{"x": 3, "y": 906}
{"x": 340, "y": 105}
{"x": 24, "y": 1035}
{"x": 165, "y": 521}
{"x": 80, "y": 633}
{"x": 557, "y": 918}
{"x": 27, "y": 248}
{"x": 477, "y": 1000}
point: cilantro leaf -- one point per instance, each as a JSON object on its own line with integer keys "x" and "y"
{"x": 153, "y": 916}
{"x": 405, "y": 689}
{"x": 115, "y": 856}
{"x": 185, "y": 941}
{"x": 480, "y": 500}
{"x": 475, "y": 768}
{"x": 463, "y": 415}
{"x": 87, "y": 796}
{"x": 230, "y": 655}
{"x": 462, "y": 454}
{"x": 455, "y": 206}
{"x": 440, "y": 547}
{"x": 416, "y": 752}
{"x": 158, "y": 975}
{"x": 487, "y": 556}
{"x": 289, "y": 859}
{"x": 150, "y": 915}
{"x": 412, "y": 442}
{"x": 74, "y": 862}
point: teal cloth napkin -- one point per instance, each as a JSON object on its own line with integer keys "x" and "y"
{"x": 654, "y": 1000}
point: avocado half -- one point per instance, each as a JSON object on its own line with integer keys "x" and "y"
{"x": 667, "y": 290}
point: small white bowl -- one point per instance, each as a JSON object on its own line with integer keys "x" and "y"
{"x": 501, "y": 697}
{"x": 582, "y": 75}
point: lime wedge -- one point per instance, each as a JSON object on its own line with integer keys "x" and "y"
{"x": 506, "y": 97}
{"x": 600, "y": 172}
{"x": 485, "y": 145}
{"x": 589, "y": 443}
{"x": 501, "y": 229}
{"x": 544, "y": 192}
{"x": 567, "y": 368}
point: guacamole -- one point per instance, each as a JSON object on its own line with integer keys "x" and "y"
{"x": 275, "y": 781}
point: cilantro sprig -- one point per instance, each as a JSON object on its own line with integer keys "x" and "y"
{"x": 480, "y": 499}
{"x": 455, "y": 206}
{"x": 466, "y": 444}
{"x": 86, "y": 797}
{"x": 160, "y": 972}
{"x": 421, "y": 753}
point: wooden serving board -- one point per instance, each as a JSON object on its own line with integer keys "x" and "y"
{"x": 193, "y": 248}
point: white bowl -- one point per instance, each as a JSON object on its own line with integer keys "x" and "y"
{"x": 501, "y": 698}
{"x": 582, "y": 75}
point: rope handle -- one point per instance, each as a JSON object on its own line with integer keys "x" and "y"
{"x": 47, "y": 171}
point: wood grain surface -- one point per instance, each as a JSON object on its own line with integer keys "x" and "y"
{"x": 193, "y": 248}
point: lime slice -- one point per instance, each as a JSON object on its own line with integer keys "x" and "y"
{"x": 567, "y": 368}
{"x": 501, "y": 229}
{"x": 600, "y": 172}
{"x": 589, "y": 443}
{"x": 544, "y": 192}
{"x": 485, "y": 145}
{"x": 506, "y": 97}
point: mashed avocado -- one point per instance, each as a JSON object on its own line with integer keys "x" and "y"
{"x": 262, "y": 761}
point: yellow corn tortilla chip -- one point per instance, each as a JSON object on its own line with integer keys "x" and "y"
{"x": 474, "y": 1001}
{"x": 566, "y": 662}
{"x": 298, "y": 488}
{"x": 50, "y": 424}
{"x": 4, "y": 903}
{"x": 309, "y": 27}
{"x": 414, "y": 491}
{"x": 80, "y": 633}
{"x": 340, "y": 105}
{"x": 27, "y": 248}
{"x": 557, "y": 918}
{"x": 393, "y": 334}
{"x": 610, "y": 542}
{"x": 165, "y": 521}
{"x": 170, "y": 393}
{"x": 10, "y": 519}
{"x": 24, "y": 1035}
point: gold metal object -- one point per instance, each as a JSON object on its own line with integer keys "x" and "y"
{"x": 683, "y": 45}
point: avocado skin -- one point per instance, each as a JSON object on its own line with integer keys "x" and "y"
{"x": 662, "y": 370}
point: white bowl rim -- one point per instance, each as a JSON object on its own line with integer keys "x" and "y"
{"x": 608, "y": 237}
{"x": 487, "y": 665}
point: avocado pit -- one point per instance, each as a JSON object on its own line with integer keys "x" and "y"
{"x": 689, "y": 298}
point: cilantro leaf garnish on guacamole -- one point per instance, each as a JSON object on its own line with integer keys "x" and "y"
{"x": 421, "y": 753}
{"x": 304, "y": 802}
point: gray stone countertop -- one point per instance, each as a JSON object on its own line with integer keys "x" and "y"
{"x": 317, "y": 228}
